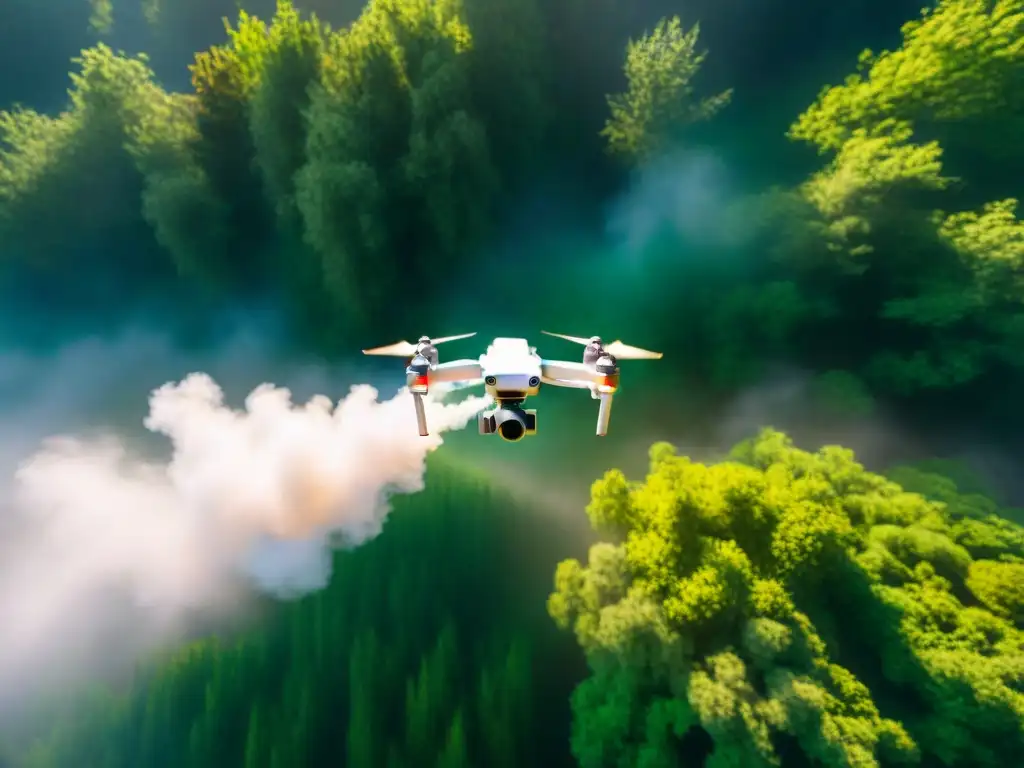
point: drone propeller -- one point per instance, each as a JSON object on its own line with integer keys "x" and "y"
{"x": 575, "y": 339}
{"x": 408, "y": 349}
{"x": 616, "y": 349}
{"x": 621, "y": 351}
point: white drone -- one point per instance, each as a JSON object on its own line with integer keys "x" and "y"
{"x": 512, "y": 371}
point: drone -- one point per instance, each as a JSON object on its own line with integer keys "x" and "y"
{"x": 512, "y": 371}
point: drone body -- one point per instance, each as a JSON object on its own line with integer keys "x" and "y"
{"x": 512, "y": 371}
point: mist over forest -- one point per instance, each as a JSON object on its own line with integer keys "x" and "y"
{"x": 222, "y": 541}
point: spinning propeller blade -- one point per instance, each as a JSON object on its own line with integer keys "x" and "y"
{"x": 408, "y": 349}
{"x": 443, "y": 339}
{"x": 616, "y": 349}
{"x": 398, "y": 349}
{"x": 575, "y": 339}
{"x": 621, "y": 351}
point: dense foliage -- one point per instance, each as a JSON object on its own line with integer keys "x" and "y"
{"x": 781, "y": 608}
{"x": 418, "y": 653}
{"x": 336, "y": 166}
{"x": 898, "y": 261}
{"x": 333, "y": 168}
{"x": 799, "y": 610}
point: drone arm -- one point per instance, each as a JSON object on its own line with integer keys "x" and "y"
{"x": 565, "y": 383}
{"x": 578, "y": 375}
{"x": 566, "y": 374}
{"x": 421, "y": 377}
{"x": 456, "y": 371}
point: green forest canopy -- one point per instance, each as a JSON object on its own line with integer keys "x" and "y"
{"x": 778, "y": 608}
{"x": 336, "y": 166}
{"x": 786, "y": 607}
{"x": 796, "y": 595}
{"x": 418, "y": 653}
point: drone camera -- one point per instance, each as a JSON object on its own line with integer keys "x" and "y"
{"x": 510, "y": 424}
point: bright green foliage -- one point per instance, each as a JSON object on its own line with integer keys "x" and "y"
{"x": 660, "y": 68}
{"x": 959, "y": 61}
{"x": 325, "y": 164}
{"x": 999, "y": 587}
{"x": 412, "y": 656}
{"x": 937, "y": 291}
{"x": 102, "y": 17}
{"x": 233, "y": 70}
{"x": 37, "y": 148}
{"x": 871, "y": 170}
{"x": 333, "y": 168}
{"x": 785, "y": 592}
{"x": 72, "y": 183}
{"x": 991, "y": 244}
{"x": 779, "y": 604}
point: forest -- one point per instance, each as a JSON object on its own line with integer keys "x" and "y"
{"x": 834, "y": 188}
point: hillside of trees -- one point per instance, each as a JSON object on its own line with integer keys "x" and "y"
{"x": 421, "y": 652}
{"x": 777, "y": 608}
{"x": 369, "y": 169}
{"x": 331, "y": 169}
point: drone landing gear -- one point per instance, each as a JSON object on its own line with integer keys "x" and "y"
{"x": 604, "y": 414}
{"x": 421, "y": 413}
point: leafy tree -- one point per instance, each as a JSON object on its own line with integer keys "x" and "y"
{"x": 102, "y": 17}
{"x": 785, "y": 606}
{"x": 511, "y": 46}
{"x": 789, "y": 593}
{"x": 945, "y": 98}
{"x": 959, "y": 62}
{"x": 660, "y": 68}
{"x": 292, "y": 63}
{"x": 225, "y": 78}
{"x": 395, "y": 155}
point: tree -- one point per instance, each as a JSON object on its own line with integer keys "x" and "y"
{"x": 394, "y": 155}
{"x": 743, "y": 595}
{"x": 449, "y": 171}
{"x": 660, "y": 68}
{"x": 958, "y": 63}
{"x": 102, "y": 17}
{"x": 225, "y": 79}
{"x": 324, "y": 680}
{"x": 256, "y": 743}
{"x": 945, "y": 99}
{"x": 291, "y": 65}
{"x": 455, "y": 754}
{"x": 511, "y": 46}
{"x": 70, "y": 184}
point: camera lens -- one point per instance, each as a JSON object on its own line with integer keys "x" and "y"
{"x": 511, "y": 430}
{"x": 534, "y": 381}
{"x": 490, "y": 381}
